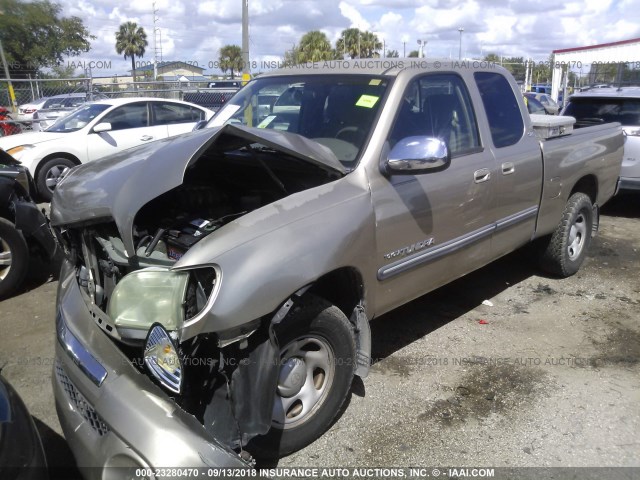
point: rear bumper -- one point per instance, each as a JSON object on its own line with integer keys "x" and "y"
{"x": 121, "y": 419}
{"x": 628, "y": 184}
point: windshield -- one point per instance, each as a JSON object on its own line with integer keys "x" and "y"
{"x": 591, "y": 111}
{"x": 78, "y": 118}
{"x": 337, "y": 111}
{"x": 534, "y": 106}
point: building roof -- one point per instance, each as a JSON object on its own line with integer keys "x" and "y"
{"x": 602, "y": 45}
{"x": 175, "y": 64}
{"x": 184, "y": 78}
{"x": 609, "y": 92}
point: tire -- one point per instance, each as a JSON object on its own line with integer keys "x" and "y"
{"x": 49, "y": 175}
{"x": 317, "y": 345}
{"x": 568, "y": 245}
{"x": 14, "y": 258}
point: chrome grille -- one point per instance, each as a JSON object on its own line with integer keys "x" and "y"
{"x": 82, "y": 405}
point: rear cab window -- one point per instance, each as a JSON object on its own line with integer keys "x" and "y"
{"x": 595, "y": 111}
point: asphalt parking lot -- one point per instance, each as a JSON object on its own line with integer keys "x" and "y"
{"x": 505, "y": 367}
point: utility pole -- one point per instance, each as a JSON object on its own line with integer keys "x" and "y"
{"x": 12, "y": 95}
{"x": 246, "y": 75}
{"x": 460, "y": 29}
{"x": 157, "y": 45}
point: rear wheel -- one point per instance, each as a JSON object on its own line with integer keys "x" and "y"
{"x": 317, "y": 362}
{"x": 568, "y": 245}
{"x": 14, "y": 258}
{"x": 50, "y": 174}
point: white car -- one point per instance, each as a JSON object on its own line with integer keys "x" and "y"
{"x": 59, "y": 106}
{"x": 98, "y": 129}
{"x": 26, "y": 111}
{"x": 604, "y": 105}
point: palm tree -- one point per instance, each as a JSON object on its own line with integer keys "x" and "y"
{"x": 231, "y": 59}
{"x": 131, "y": 40}
{"x": 314, "y": 47}
{"x": 369, "y": 45}
{"x": 349, "y": 43}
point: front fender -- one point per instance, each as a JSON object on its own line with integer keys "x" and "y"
{"x": 319, "y": 231}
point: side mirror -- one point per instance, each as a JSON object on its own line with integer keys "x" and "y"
{"x": 102, "y": 127}
{"x": 414, "y": 155}
{"x": 199, "y": 125}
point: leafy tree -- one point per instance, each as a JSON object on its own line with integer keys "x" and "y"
{"x": 131, "y": 40}
{"x": 35, "y": 36}
{"x": 230, "y": 58}
{"x": 614, "y": 73}
{"x": 413, "y": 54}
{"x": 492, "y": 57}
{"x": 516, "y": 66}
{"x": 392, "y": 54}
{"x": 541, "y": 73}
{"x": 62, "y": 71}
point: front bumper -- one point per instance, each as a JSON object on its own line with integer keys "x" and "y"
{"x": 122, "y": 419}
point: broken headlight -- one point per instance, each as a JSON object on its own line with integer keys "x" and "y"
{"x": 162, "y": 359}
{"x": 161, "y": 295}
{"x": 148, "y": 296}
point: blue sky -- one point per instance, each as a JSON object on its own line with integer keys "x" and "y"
{"x": 194, "y": 30}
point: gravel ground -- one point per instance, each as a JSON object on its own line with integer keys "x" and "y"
{"x": 505, "y": 367}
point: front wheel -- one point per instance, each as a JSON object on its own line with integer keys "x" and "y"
{"x": 50, "y": 174}
{"x": 317, "y": 363}
{"x": 568, "y": 245}
{"x": 14, "y": 258}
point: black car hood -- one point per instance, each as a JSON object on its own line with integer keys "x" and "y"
{"x": 119, "y": 185}
{"x": 6, "y": 159}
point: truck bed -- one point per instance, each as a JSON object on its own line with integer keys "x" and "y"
{"x": 595, "y": 149}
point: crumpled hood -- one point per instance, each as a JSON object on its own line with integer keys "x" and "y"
{"x": 118, "y": 186}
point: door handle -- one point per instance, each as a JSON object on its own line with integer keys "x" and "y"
{"x": 481, "y": 175}
{"x": 146, "y": 138}
{"x": 508, "y": 168}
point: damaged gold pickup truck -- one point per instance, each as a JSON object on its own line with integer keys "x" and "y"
{"x": 215, "y": 300}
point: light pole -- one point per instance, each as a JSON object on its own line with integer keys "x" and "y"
{"x": 246, "y": 72}
{"x": 422, "y": 47}
{"x": 460, "y": 29}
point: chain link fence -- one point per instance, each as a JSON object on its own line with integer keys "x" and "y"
{"x": 28, "y": 91}
{"x": 68, "y": 93}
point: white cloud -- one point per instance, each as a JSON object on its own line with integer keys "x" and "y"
{"x": 430, "y": 19}
{"x": 196, "y": 29}
{"x": 391, "y": 20}
{"x": 354, "y": 16}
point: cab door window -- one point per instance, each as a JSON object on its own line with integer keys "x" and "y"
{"x": 438, "y": 106}
{"x": 132, "y": 115}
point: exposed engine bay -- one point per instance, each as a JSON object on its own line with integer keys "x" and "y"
{"x": 128, "y": 296}
{"x": 224, "y": 183}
